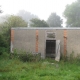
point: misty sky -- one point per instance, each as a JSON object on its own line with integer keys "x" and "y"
{"x": 41, "y": 8}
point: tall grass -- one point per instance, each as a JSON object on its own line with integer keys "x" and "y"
{"x": 48, "y": 69}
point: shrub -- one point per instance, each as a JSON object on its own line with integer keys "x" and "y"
{"x": 2, "y": 50}
{"x": 72, "y": 58}
{"x": 25, "y": 56}
{"x": 4, "y": 44}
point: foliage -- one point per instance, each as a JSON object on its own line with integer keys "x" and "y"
{"x": 2, "y": 50}
{"x": 14, "y": 69}
{"x": 4, "y": 45}
{"x": 29, "y": 57}
{"x": 38, "y": 23}
{"x": 72, "y": 14}
{"x": 54, "y": 20}
{"x": 2, "y": 41}
{"x": 15, "y": 21}
{"x": 0, "y": 10}
{"x": 26, "y": 56}
{"x": 72, "y": 58}
{"x": 12, "y": 21}
{"x": 27, "y": 16}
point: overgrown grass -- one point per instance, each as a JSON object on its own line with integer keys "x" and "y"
{"x": 48, "y": 69}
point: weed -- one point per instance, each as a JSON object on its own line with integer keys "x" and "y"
{"x": 16, "y": 69}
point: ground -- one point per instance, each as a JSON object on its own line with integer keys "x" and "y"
{"x": 48, "y": 69}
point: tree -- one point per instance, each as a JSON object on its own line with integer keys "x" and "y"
{"x": 72, "y": 14}
{"x": 38, "y": 23}
{"x": 54, "y": 20}
{"x": 11, "y": 21}
{"x": 15, "y": 21}
{"x": 0, "y": 10}
{"x": 27, "y": 16}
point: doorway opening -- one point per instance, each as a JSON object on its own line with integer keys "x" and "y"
{"x": 50, "y": 48}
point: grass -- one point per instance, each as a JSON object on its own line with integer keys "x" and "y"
{"x": 48, "y": 69}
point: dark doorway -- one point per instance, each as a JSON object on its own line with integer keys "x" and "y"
{"x": 50, "y": 48}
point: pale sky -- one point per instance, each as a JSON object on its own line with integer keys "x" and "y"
{"x": 41, "y": 8}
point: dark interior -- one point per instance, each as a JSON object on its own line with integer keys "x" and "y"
{"x": 50, "y": 48}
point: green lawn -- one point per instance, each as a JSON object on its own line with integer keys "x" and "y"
{"x": 14, "y": 69}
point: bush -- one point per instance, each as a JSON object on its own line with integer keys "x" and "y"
{"x": 26, "y": 56}
{"x": 4, "y": 44}
{"x": 2, "y": 50}
{"x": 72, "y": 58}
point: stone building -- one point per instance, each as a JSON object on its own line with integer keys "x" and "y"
{"x": 47, "y": 41}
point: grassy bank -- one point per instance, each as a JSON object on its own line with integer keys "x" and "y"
{"x": 14, "y": 69}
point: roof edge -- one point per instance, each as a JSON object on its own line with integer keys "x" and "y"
{"x": 44, "y": 28}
